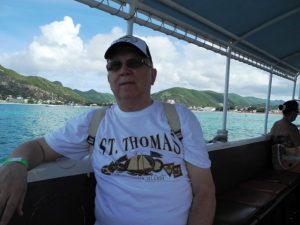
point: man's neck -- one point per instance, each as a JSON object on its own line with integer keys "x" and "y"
{"x": 287, "y": 119}
{"x": 129, "y": 105}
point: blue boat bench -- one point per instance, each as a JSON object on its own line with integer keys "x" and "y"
{"x": 249, "y": 190}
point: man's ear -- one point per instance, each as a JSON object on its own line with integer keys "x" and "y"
{"x": 153, "y": 75}
{"x": 108, "y": 81}
{"x": 108, "y": 78}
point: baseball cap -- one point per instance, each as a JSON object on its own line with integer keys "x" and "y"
{"x": 128, "y": 40}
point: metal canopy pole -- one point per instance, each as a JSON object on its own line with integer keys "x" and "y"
{"x": 294, "y": 88}
{"x": 225, "y": 102}
{"x": 131, "y": 20}
{"x": 298, "y": 85}
{"x": 268, "y": 102}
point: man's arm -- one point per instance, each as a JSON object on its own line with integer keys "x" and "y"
{"x": 294, "y": 134}
{"x": 36, "y": 152}
{"x": 13, "y": 176}
{"x": 203, "y": 206}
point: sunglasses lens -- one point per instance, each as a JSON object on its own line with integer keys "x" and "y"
{"x": 134, "y": 63}
{"x": 114, "y": 65}
{"x": 131, "y": 63}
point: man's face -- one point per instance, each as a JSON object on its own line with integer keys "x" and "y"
{"x": 130, "y": 77}
{"x": 294, "y": 115}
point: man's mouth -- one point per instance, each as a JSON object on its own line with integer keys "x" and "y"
{"x": 126, "y": 83}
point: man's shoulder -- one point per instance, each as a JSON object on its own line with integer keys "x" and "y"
{"x": 294, "y": 127}
{"x": 182, "y": 109}
{"x": 281, "y": 124}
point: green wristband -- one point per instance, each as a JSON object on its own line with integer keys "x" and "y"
{"x": 20, "y": 160}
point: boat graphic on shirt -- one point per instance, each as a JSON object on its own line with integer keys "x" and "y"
{"x": 142, "y": 165}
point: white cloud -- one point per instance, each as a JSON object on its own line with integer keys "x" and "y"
{"x": 59, "y": 53}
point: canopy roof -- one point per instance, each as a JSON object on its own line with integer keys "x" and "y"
{"x": 261, "y": 33}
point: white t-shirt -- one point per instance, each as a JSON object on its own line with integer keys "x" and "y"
{"x": 139, "y": 165}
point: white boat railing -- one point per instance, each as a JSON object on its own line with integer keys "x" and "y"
{"x": 60, "y": 168}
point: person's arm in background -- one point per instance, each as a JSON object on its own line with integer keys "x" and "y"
{"x": 204, "y": 202}
{"x": 13, "y": 176}
{"x": 294, "y": 135}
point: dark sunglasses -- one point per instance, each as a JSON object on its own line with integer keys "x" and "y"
{"x": 132, "y": 63}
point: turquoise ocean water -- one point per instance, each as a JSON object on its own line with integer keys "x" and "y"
{"x": 20, "y": 123}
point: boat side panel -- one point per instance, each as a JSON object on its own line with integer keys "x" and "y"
{"x": 232, "y": 166}
{"x": 60, "y": 201}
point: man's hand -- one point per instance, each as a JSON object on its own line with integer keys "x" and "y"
{"x": 13, "y": 176}
{"x": 13, "y": 186}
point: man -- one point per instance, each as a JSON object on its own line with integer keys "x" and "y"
{"x": 286, "y": 133}
{"x": 145, "y": 174}
{"x": 284, "y": 128}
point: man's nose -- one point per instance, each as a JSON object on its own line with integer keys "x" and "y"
{"x": 124, "y": 70}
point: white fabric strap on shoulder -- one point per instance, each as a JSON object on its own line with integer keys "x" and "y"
{"x": 173, "y": 119}
{"x": 94, "y": 124}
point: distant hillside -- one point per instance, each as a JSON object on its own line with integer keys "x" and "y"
{"x": 94, "y": 96}
{"x": 191, "y": 97}
{"x": 34, "y": 87}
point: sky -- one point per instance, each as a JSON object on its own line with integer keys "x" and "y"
{"x": 64, "y": 40}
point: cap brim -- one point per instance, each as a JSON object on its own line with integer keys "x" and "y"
{"x": 113, "y": 49}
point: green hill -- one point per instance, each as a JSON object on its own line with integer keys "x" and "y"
{"x": 190, "y": 97}
{"x": 37, "y": 88}
{"x": 196, "y": 98}
{"x": 94, "y": 96}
